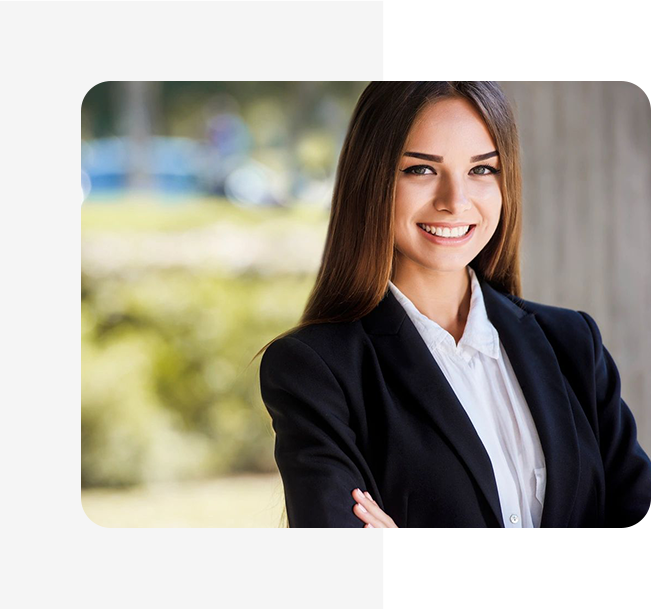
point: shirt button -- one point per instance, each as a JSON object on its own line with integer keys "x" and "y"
{"x": 514, "y": 518}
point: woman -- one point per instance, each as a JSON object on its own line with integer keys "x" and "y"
{"x": 417, "y": 374}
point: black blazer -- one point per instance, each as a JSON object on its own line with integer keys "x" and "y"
{"x": 364, "y": 404}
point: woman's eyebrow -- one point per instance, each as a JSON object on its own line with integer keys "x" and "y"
{"x": 439, "y": 159}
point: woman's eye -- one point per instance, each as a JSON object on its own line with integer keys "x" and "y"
{"x": 417, "y": 170}
{"x": 489, "y": 170}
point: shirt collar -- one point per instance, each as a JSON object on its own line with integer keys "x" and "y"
{"x": 479, "y": 333}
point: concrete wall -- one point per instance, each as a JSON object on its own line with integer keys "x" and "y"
{"x": 586, "y": 155}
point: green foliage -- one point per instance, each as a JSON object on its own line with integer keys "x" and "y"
{"x": 166, "y": 392}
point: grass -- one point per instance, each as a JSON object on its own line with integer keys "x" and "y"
{"x": 143, "y": 214}
{"x": 248, "y": 501}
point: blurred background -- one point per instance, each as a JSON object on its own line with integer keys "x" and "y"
{"x": 205, "y": 206}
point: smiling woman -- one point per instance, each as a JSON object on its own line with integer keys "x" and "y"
{"x": 418, "y": 374}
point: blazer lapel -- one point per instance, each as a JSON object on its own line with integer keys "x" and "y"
{"x": 408, "y": 362}
{"x": 536, "y": 367}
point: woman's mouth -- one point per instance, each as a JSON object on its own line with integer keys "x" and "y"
{"x": 446, "y": 236}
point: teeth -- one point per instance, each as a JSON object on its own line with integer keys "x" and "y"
{"x": 458, "y": 231}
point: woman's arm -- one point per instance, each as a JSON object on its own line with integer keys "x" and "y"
{"x": 627, "y": 466}
{"x": 315, "y": 449}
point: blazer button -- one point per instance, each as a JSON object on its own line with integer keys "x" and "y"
{"x": 514, "y": 518}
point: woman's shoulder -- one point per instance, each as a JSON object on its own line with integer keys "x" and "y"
{"x": 546, "y": 311}
{"x": 562, "y": 325}
{"x": 334, "y": 342}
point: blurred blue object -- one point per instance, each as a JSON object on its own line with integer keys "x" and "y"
{"x": 104, "y": 161}
{"x": 177, "y": 165}
{"x": 173, "y": 164}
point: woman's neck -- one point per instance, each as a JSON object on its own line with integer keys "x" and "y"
{"x": 442, "y": 296}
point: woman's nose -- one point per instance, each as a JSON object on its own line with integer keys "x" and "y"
{"x": 451, "y": 196}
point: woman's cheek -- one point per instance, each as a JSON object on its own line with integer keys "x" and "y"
{"x": 486, "y": 190}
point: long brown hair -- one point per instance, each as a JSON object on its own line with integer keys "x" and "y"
{"x": 358, "y": 258}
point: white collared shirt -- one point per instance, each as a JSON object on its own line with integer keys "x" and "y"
{"x": 479, "y": 372}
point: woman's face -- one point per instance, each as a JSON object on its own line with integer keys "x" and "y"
{"x": 449, "y": 190}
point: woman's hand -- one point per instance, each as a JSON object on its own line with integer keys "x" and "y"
{"x": 368, "y": 511}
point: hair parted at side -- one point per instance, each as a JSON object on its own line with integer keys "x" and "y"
{"x": 358, "y": 257}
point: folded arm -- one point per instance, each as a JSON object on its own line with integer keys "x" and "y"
{"x": 318, "y": 459}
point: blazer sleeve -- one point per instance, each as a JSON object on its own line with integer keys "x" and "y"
{"x": 627, "y": 467}
{"x": 319, "y": 462}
